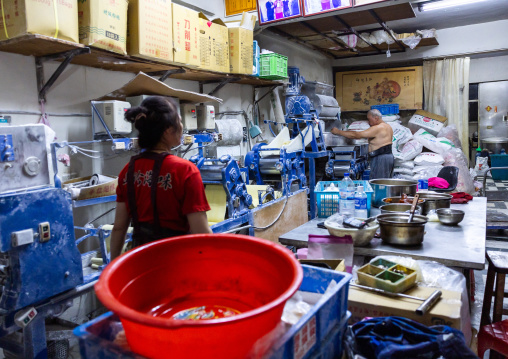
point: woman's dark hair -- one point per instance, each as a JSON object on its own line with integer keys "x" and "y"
{"x": 154, "y": 116}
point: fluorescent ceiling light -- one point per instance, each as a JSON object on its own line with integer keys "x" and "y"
{"x": 443, "y": 4}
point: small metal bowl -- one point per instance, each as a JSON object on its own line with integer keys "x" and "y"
{"x": 450, "y": 216}
{"x": 399, "y": 208}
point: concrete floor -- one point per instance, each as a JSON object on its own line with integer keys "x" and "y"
{"x": 500, "y": 243}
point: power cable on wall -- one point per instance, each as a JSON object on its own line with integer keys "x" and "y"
{"x": 38, "y": 113}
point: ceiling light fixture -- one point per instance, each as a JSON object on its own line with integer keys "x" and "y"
{"x": 443, "y": 4}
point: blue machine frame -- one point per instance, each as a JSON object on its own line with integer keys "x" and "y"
{"x": 355, "y": 158}
{"x": 42, "y": 273}
{"x": 290, "y": 167}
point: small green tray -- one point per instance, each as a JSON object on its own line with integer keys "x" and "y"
{"x": 386, "y": 275}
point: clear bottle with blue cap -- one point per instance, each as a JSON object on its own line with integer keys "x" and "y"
{"x": 347, "y": 196}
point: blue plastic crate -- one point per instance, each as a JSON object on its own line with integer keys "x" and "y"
{"x": 323, "y": 326}
{"x": 499, "y": 161}
{"x": 328, "y": 202}
{"x": 391, "y": 109}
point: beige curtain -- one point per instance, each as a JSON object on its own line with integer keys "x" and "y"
{"x": 446, "y": 89}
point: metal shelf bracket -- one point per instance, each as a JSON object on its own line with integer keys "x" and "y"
{"x": 171, "y": 72}
{"x": 43, "y": 87}
{"x": 221, "y": 84}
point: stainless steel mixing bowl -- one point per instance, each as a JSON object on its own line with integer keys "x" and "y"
{"x": 435, "y": 201}
{"x": 390, "y": 187}
{"x": 399, "y": 208}
{"x": 450, "y": 216}
{"x": 396, "y": 230}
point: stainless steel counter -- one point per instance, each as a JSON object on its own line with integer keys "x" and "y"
{"x": 455, "y": 246}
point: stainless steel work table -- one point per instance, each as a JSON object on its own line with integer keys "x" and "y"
{"x": 460, "y": 246}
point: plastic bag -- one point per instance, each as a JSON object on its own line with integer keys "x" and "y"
{"x": 381, "y": 36}
{"x": 402, "y": 176}
{"x": 331, "y": 247}
{"x": 359, "y": 126}
{"x": 429, "y": 159}
{"x": 412, "y": 41}
{"x": 349, "y": 40}
{"x": 455, "y": 157}
{"x": 295, "y": 309}
{"x": 435, "y": 144}
{"x": 403, "y": 164}
{"x": 406, "y": 171}
{"x": 401, "y": 135}
{"x": 391, "y": 118}
{"x": 410, "y": 150}
{"x": 362, "y": 44}
{"x": 427, "y": 33}
{"x": 481, "y": 166}
{"x": 426, "y": 172}
{"x": 450, "y": 132}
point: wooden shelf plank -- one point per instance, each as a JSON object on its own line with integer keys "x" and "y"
{"x": 112, "y": 61}
{"x": 39, "y": 45}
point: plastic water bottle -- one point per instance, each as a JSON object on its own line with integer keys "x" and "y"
{"x": 360, "y": 203}
{"x": 347, "y": 197}
{"x": 423, "y": 183}
{"x": 503, "y": 151}
{"x": 478, "y": 153}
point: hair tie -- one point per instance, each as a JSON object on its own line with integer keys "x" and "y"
{"x": 140, "y": 116}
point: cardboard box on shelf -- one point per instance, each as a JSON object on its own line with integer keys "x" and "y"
{"x": 186, "y": 36}
{"x": 103, "y": 24}
{"x": 100, "y": 190}
{"x": 214, "y": 44}
{"x": 58, "y": 19}
{"x": 240, "y": 46}
{"x": 430, "y": 122}
{"x": 150, "y": 32}
{"x": 362, "y": 303}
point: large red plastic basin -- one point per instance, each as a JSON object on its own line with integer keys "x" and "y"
{"x": 241, "y": 272}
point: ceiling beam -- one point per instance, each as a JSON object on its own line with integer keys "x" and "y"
{"x": 339, "y": 19}
{"x": 298, "y": 41}
{"x": 386, "y": 28}
{"x": 344, "y": 46}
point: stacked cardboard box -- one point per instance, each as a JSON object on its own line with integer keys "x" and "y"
{"x": 103, "y": 24}
{"x": 214, "y": 44}
{"x": 57, "y": 19}
{"x": 186, "y": 36}
{"x": 150, "y": 32}
{"x": 240, "y": 46}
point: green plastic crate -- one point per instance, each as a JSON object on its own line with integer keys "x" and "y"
{"x": 273, "y": 66}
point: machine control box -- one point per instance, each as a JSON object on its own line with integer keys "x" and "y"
{"x": 189, "y": 117}
{"x": 113, "y": 112}
{"x": 20, "y": 238}
{"x": 24, "y": 317}
{"x": 44, "y": 232}
{"x": 206, "y": 117}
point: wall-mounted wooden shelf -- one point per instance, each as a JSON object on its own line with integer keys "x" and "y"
{"x": 40, "y": 46}
{"x": 321, "y": 33}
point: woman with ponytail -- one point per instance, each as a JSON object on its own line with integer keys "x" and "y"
{"x": 161, "y": 194}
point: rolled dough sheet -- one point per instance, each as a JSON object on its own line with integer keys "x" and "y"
{"x": 216, "y": 197}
